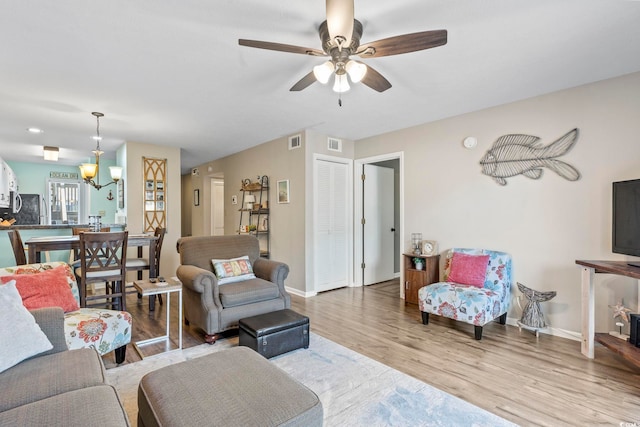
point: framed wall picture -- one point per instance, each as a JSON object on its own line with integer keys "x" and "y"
{"x": 120, "y": 194}
{"x": 283, "y": 191}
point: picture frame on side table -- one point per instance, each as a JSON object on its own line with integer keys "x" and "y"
{"x": 283, "y": 191}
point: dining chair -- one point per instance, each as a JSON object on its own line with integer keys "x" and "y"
{"x": 103, "y": 259}
{"x": 141, "y": 264}
{"x": 18, "y": 247}
{"x": 74, "y": 258}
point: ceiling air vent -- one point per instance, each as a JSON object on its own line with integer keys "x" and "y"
{"x": 295, "y": 141}
{"x": 334, "y": 144}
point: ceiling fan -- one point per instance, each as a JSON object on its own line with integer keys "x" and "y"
{"x": 340, "y": 35}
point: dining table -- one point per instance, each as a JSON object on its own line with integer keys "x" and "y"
{"x": 37, "y": 245}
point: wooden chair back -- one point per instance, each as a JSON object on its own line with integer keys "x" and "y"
{"x": 18, "y": 247}
{"x": 103, "y": 259}
{"x": 74, "y": 255}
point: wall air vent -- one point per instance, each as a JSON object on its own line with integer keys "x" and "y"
{"x": 295, "y": 141}
{"x": 334, "y": 144}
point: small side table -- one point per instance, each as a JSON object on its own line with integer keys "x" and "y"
{"x": 146, "y": 288}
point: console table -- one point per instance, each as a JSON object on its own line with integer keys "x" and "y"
{"x": 589, "y": 337}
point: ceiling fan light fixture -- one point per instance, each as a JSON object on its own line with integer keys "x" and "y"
{"x": 341, "y": 83}
{"x": 323, "y": 71}
{"x": 340, "y": 15}
{"x": 356, "y": 70}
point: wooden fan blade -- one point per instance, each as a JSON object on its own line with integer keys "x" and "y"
{"x": 281, "y": 47}
{"x": 403, "y": 44}
{"x": 340, "y": 19}
{"x": 304, "y": 82}
{"x": 375, "y": 80}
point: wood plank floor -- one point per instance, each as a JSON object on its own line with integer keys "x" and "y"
{"x": 531, "y": 381}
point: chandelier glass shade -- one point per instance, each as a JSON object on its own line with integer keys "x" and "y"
{"x": 89, "y": 171}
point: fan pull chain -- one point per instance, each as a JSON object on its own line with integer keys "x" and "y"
{"x": 340, "y": 99}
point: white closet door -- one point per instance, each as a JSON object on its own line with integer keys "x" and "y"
{"x": 331, "y": 225}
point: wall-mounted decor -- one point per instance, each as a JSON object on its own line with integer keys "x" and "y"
{"x": 196, "y": 197}
{"x": 283, "y": 191}
{"x": 155, "y": 193}
{"x": 120, "y": 188}
{"x": 517, "y": 154}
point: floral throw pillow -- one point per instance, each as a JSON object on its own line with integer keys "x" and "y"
{"x": 468, "y": 269}
{"x": 233, "y": 270}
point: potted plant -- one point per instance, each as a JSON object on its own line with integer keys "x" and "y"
{"x": 419, "y": 262}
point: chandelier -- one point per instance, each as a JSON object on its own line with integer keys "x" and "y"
{"x": 89, "y": 171}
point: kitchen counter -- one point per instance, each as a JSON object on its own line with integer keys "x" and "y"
{"x": 28, "y": 231}
{"x": 57, "y": 226}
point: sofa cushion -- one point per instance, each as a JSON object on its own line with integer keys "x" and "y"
{"x": 96, "y": 406}
{"x": 39, "y": 268}
{"x": 48, "y": 288}
{"x": 49, "y": 375}
{"x": 247, "y": 292}
{"x": 20, "y": 335}
{"x": 232, "y": 270}
{"x": 468, "y": 269}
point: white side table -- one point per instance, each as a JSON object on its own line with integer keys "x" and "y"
{"x": 146, "y": 288}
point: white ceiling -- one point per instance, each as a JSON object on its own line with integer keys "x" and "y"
{"x": 172, "y": 73}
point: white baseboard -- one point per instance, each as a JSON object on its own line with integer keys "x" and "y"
{"x": 576, "y": 336}
{"x": 300, "y": 293}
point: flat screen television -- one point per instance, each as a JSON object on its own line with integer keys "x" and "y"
{"x": 626, "y": 218}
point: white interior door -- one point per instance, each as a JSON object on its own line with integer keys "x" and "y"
{"x": 331, "y": 225}
{"x": 378, "y": 232}
{"x": 217, "y": 207}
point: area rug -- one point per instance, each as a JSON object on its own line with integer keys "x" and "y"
{"x": 354, "y": 389}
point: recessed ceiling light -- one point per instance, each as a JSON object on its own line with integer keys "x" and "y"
{"x": 35, "y": 130}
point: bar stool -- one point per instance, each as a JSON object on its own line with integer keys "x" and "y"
{"x": 141, "y": 264}
{"x": 102, "y": 259}
{"x": 18, "y": 247}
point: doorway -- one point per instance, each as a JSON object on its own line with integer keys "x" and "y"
{"x": 217, "y": 207}
{"x": 377, "y": 226}
{"x": 378, "y": 247}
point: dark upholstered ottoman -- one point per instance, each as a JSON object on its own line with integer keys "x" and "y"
{"x": 234, "y": 387}
{"x": 274, "y": 333}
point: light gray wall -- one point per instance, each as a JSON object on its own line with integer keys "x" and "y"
{"x": 545, "y": 224}
{"x": 286, "y": 221}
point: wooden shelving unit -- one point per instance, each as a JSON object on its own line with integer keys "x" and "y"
{"x": 623, "y": 348}
{"x": 256, "y": 221}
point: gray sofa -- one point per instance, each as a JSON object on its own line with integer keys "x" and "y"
{"x": 216, "y": 308}
{"x": 60, "y": 387}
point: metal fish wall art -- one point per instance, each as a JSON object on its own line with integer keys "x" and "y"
{"x": 517, "y": 154}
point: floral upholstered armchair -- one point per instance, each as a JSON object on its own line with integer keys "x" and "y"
{"x": 476, "y": 288}
{"x": 53, "y": 284}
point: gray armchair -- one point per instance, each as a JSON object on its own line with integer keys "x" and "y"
{"x": 216, "y": 308}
